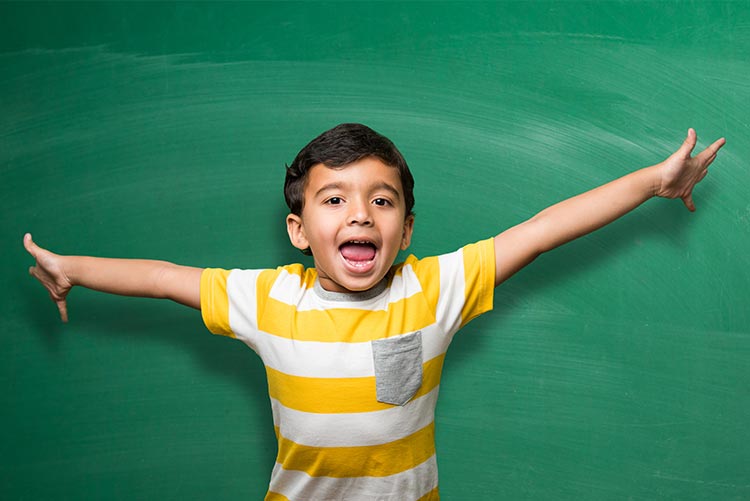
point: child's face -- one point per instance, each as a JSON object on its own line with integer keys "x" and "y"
{"x": 354, "y": 221}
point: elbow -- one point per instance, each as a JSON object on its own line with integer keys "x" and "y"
{"x": 538, "y": 235}
{"x": 160, "y": 280}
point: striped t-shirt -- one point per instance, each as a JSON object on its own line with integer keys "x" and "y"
{"x": 353, "y": 378}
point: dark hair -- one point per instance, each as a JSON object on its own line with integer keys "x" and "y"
{"x": 339, "y": 147}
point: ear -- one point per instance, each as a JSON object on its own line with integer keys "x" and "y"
{"x": 408, "y": 230}
{"x": 296, "y": 231}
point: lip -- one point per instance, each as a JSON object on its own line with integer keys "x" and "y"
{"x": 360, "y": 267}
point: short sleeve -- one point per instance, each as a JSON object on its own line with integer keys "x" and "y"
{"x": 458, "y": 286}
{"x": 215, "y": 301}
{"x": 479, "y": 279}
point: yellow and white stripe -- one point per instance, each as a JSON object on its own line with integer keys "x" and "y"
{"x": 336, "y": 440}
{"x": 293, "y": 485}
{"x": 355, "y": 429}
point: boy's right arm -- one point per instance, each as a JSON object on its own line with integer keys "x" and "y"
{"x": 127, "y": 277}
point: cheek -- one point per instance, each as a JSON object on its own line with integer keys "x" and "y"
{"x": 324, "y": 235}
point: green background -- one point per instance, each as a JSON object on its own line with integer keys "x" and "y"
{"x": 615, "y": 367}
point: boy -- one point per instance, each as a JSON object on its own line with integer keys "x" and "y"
{"x": 353, "y": 348}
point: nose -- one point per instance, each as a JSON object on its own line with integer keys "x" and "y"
{"x": 359, "y": 214}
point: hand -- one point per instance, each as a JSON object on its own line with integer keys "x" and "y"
{"x": 50, "y": 273}
{"x": 681, "y": 172}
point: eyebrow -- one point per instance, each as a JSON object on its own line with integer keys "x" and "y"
{"x": 377, "y": 187}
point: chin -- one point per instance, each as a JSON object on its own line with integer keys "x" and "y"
{"x": 356, "y": 285}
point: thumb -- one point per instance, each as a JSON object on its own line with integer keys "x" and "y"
{"x": 29, "y": 245}
{"x": 687, "y": 146}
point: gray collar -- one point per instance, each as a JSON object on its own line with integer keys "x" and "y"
{"x": 350, "y": 296}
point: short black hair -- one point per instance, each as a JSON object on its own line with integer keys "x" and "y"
{"x": 339, "y": 147}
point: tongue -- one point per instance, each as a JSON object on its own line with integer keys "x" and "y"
{"x": 358, "y": 252}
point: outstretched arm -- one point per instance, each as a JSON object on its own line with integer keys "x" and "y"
{"x": 675, "y": 177}
{"x": 126, "y": 277}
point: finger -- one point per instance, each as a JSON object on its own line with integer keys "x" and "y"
{"x": 34, "y": 272}
{"x": 716, "y": 146}
{"x": 63, "y": 308}
{"x": 687, "y": 146}
{"x": 709, "y": 154}
{"x": 688, "y": 201}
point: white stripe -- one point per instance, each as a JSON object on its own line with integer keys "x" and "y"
{"x": 316, "y": 359}
{"x": 241, "y": 290}
{"x": 452, "y": 291}
{"x": 405, "y": 285}
{"x": 288, "y": 289}
{"x": 355, "y": 429}
{"x": 329, "y": 360}
{"x": 409, "y": 485}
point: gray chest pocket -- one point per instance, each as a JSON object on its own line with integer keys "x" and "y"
{"x": 398, "y": 367}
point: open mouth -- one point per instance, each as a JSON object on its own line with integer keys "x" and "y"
{"x": 358, "y": 253}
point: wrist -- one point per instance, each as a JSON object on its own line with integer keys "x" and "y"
{"x": 653, "y": 180}
{"x": 70, "y": 269}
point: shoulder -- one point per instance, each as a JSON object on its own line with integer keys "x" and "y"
{"x": 469, "y": 267}
{"x": 294, "y": 275}
{"x": 481, "y": 252}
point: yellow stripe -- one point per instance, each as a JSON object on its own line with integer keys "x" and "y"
{"x": 433, "y": 495}
{"x": 428, "y": 273}
{"x": 340, "y": 395}
{"x": 479, "y": 273}
{"x": 275, "y": 496}
{"x": 345, "y": 325}
{"x": 307, "y": 276}
{"x": 374, "y": 460}
{"x": 215, "y": 302}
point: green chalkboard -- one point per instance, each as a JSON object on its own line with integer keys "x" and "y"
{"x": 616, "y": 367}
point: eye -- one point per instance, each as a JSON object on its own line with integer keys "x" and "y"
{"x": 334, "y": 201}
{"x": 382, "y": 202}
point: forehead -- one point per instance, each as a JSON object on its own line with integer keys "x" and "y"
{"x": 366, "y": 174}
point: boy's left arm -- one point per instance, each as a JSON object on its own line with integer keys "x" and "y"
{"x": 675, "y": 177}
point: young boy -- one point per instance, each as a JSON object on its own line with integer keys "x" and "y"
{"x": 354, "y": 347}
